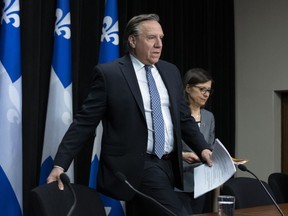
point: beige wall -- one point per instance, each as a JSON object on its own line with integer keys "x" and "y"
{"x": 261, "y": 46}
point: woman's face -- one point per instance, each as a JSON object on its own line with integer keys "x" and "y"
{"x": 198, "y": 94}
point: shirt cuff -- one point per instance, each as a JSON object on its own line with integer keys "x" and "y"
{"x": 59, "y": 167}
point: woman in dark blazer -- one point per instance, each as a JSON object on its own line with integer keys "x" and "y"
{"x": 119, "y": 98}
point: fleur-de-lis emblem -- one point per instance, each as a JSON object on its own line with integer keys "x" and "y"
{"x": 67, "y": 116}
{"x": 14, "y": 96}
{"x": 10, "y": 13}
{"x": 62, "y": 25}
{"x": 14, "y": 114}
{"x": 110, "y": 31}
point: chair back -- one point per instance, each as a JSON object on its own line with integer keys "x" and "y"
{"x": 248, "y": 192}
{"x": 278, "y": 182}
{"x": 48, "y": 200}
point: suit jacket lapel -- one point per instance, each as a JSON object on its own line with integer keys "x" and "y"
{"x": 168, "y": 81}
{"x": 128, "y": 72}
{"x": 130, "y": 76}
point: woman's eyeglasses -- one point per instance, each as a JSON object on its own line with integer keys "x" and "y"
{"x": 204, "y": 90}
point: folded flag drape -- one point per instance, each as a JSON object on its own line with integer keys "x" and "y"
{"x": 109, "y": 50}
{"x": 59, "y": 107}
{"x": 10, "y": 110}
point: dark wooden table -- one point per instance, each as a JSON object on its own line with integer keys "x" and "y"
{"x": 269, "y": 210}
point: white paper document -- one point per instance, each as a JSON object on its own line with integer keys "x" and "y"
{"x": 207, "y": 178}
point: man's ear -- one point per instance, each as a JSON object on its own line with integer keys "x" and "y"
{"x": 132, "y": 41}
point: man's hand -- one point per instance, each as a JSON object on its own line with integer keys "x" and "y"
{"x": 190, "y": 157}
{"x": 55, "y": 176}
{"x": 206, "y": 156}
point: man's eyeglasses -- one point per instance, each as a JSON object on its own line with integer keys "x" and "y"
{"x": 204, "y": 90}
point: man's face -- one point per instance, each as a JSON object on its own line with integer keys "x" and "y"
{"x": 148, "y": 44}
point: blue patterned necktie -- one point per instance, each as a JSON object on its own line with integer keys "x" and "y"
{"x": 157, "y": 117}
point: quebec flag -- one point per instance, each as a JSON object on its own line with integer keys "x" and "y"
{"x": 10, "y": 110}
{"x": 59, "y": 108}
{"x": 109, "y": 50}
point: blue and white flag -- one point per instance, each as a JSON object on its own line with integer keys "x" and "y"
{"x": 59, "y": 108}
{"x": 10, "y": 110}
{"x": 109, "y": 51}
{"x": 109, "y": 46}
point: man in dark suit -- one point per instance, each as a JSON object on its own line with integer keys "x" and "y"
{"x": 120, "y": 96}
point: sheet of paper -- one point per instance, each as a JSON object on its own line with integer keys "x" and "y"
{"x": 207, "y": 178}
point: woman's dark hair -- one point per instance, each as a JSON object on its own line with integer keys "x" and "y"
{"x": 196, "y": 76}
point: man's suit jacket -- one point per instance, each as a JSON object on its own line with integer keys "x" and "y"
{"x": 115, "y": 98}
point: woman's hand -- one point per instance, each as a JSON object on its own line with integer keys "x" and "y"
{"x": 190, "y": 157}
